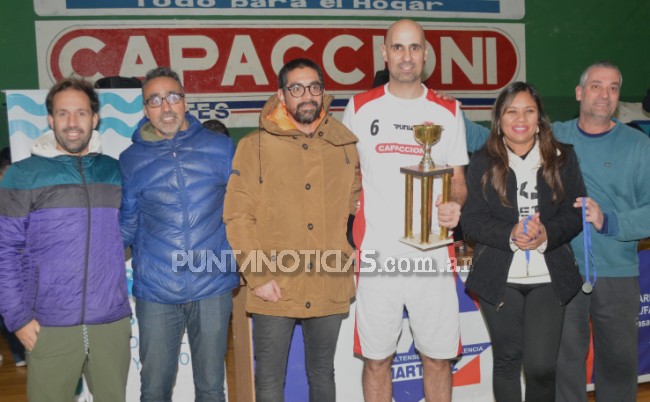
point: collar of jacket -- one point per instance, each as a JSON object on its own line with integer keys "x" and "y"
{"x": 145, "y": 134}
{"x": 273, "y": 107}
{"x": 45, "y": 145}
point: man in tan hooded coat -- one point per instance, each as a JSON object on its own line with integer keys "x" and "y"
{"x": 294, "y": 184}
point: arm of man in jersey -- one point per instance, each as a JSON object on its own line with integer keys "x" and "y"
{"x": 355, "y": 192}
{"x": 449, "y": 212}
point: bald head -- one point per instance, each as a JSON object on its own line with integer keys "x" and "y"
{"x": 405, "y": 52}
{"x": 400, "y": 28}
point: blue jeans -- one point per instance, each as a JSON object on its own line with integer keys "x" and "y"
{"x": 161, "y": 331}
{"x": 271, "y": 340}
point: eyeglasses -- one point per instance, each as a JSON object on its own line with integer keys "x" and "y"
{"x": 156, "y": 101}
{"x": 297, "y": 90}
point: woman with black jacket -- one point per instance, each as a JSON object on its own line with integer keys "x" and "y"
{"x": 521, "y": 187}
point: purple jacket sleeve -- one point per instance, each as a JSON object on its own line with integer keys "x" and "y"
{"x": 14, "y": 209}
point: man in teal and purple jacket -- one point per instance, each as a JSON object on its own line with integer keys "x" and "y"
{"x": 62, "y": 274}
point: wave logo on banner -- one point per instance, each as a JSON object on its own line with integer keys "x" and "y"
{"x": 27, "y": 114}
{"x": 30, "y": 118}
{"x": 118, "y": 114}
{"x": 120, "y": 111}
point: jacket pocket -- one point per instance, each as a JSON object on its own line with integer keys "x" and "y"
{"x": 40, "y": 341}
{"x": 338, "y": 287}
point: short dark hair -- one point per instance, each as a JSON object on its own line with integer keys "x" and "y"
{"x": 294, "y": 64}
{"x": 162, "y": 72}
{"x": 216, "y": 126}
{"x": 76, "y": 84}
{"x": 118, "y": 82}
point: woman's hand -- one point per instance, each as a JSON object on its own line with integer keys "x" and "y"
{"x": 535, "y": 234}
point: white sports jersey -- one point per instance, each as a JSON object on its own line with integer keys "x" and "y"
{"x": 383, "y": 124}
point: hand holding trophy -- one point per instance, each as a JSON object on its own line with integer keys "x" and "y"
{"x": 427, "y": 135}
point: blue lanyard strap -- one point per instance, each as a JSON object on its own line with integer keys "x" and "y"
{"x": 586, "y": 231}
{"x": 528, "y": 218}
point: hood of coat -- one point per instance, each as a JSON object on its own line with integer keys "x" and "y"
{"x": 271, "y": 122}
{"x": 45, "y": 145}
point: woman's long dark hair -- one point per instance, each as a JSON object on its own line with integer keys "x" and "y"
{"x": 551, "y": 153}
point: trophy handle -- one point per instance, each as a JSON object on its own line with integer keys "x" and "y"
{"x": 426, "y": 194}
{"x": 408, "y": 210}
{"x": 446, "y": 191}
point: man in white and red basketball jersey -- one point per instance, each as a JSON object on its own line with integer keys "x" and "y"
{"x": 382, "y": 119}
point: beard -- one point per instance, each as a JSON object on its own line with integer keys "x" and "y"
{"x": 74, "y": 146}
{"x": 307, "y": 116}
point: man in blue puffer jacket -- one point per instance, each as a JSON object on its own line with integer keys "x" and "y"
{"x": 175, "y": 175}
{"x": 62, "y": 274}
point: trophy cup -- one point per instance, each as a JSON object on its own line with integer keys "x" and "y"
{"x": 427, "y": 135}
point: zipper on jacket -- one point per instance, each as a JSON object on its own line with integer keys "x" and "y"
{"x": 85, "y": 186}
{"x": 184, "y": 205}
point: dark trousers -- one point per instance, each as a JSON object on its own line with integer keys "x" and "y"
{"x": 613, "y": 307}
{"x": 525, "y": 331}
{"x": 271, "y": 340}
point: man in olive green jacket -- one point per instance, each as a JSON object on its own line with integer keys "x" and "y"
{"x": 294, "y": 183}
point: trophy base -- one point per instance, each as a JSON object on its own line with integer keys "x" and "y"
{"x": 434, "y": 242}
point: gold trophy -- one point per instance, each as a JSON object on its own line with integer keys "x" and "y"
{"x": 427, "y": 135}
